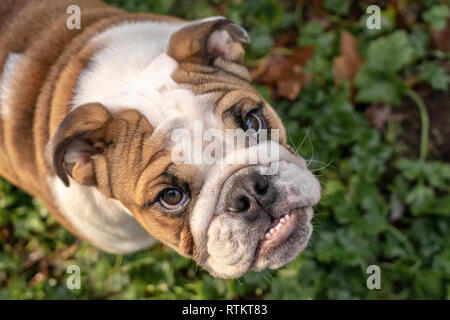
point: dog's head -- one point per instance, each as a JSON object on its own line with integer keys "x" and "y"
{"x": 231, "y": 214}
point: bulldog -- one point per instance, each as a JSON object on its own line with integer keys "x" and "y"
{"x": 86, "y": 122}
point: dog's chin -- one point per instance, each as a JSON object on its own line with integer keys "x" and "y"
{"x": 289, "y": 237}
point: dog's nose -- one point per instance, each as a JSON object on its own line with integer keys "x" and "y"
{"x": 249, "y": 192}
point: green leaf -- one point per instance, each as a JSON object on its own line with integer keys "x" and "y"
{"x": 434, "y": 173}
{"x": 334, "y": 187}
{"x": 369, "y": 155}
{"x": 345, "y": 212}
{"x": 309, "y": 33}
{"x": 393, "y": 248}
{"x": 418, "y": 40}
{"x": 367, "y": 196}
{"x": 400, "y": 186}
{"x": 437, "y": 174}
{"x": 437, "y": 16}
{"x": 212, "y": 288}
{"x": 389, "y": 54}
{"x": 374, "y": 87}
{"x": 429, "y": 283}
{"x": 420, "y": 199}
{"x": 433, "y": 73}
{"x": 262, "y": 40}
{"x": 442, "y": 206}
{"x": 339, "y": 7}
{"x": 442, "y": 262}
{"x": 411, "y": 169}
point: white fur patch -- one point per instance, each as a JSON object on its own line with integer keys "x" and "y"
{"x": 5, "y": 79}
{"x": 132, "y": 71}
{"x": 105, "y": 222}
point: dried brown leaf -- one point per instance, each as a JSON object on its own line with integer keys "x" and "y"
{"x": 284, "y": 73}
{"x": 347, "y": 64}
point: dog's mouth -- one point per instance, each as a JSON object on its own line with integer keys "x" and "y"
{"x": 282, "y": 232}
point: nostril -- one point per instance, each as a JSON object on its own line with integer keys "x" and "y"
{"x": 261, "y": 185}
{"x": 240, "y": 205}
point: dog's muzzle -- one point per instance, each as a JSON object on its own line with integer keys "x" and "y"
{"x": 261, "y": 220}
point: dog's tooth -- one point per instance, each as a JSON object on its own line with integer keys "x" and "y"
{"x": 278, "y": 227}
{"x": 287, "y": 216}
{"x": 267, "y": 235}
{"x": 272, "y": 231}
{"x": 282, "y": 220}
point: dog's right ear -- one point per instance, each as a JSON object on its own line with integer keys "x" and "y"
{"x": 205, "y": 40}
{"x": 79, "y": 139}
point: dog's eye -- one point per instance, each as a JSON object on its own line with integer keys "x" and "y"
{"x": 171, "y": 198}
{"x": 253, "y": 121}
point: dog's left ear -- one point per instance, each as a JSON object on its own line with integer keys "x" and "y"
{"x": 78, "y": 140}
{"x": 205, "y": 40}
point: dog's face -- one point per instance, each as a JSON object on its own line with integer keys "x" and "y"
{"x": 230, "y": 216}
